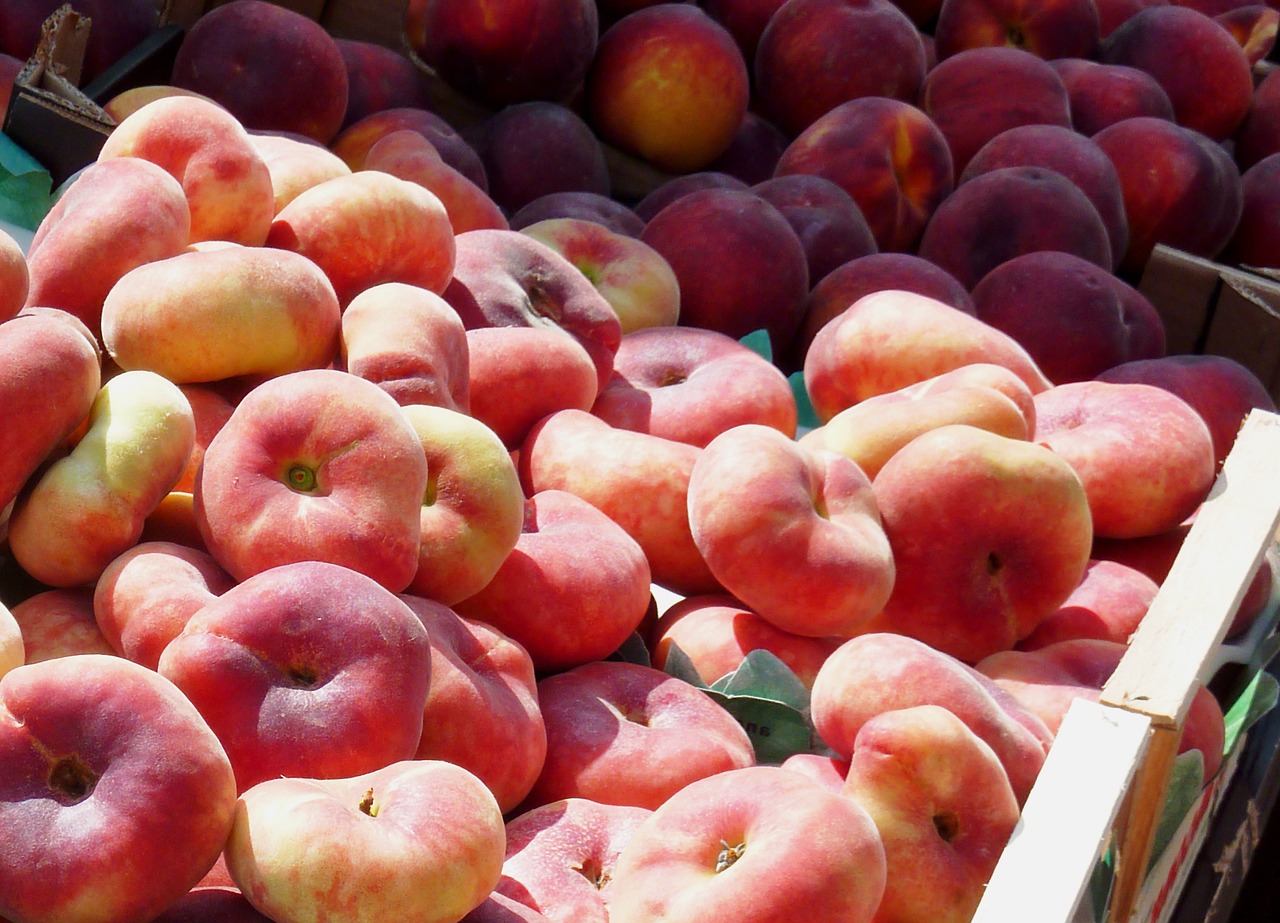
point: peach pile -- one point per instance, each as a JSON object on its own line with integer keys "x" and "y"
{"x": 404, "y": 510}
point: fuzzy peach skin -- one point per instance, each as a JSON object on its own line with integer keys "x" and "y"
{"x": 90, "y": 505}
{"x": 117, "y": 215}
{"x": 367, "y": 228}
{"x": 15, "y": 276}
{"x": 943, "y": 806}
{"x": 894, "y": 338}
{"x": 793, "y": 533}
{"x": 561, "y": 857}
{"x": 208, "y": 315}
{"x": 990, "y": 535}
{"x": 690, "y": 384}
{"x": 518, "y": 375}
{"x": 634, "y": 278}
{"x": 52, "y": 375}
{"x": 482, "y": 709}
{"x": 410, "y": 155}
{"x": 58, "y": 622}
{"x": 880, "y": 672}
{"x": 209, "y": 152}
{"x": 572, "y": 590}
{"x": 1144, "y": 455}
{"x": 472, "y": 508}
{"x": 408, "y": 341}
{"x": 751, "y": 845}
{"x": 716, "y": 632}
{"x": 143, "y": 599}
{"x": 112, "y": 785}
{"x": 309, "y": 669}
{"x": 987, "y": 396}
{"x": 639, "y": 481}
{"x": 12, "y": 648}
{"x": 314, "y": 465}
{"x": 415, "y": 839}
{"x": 296, "y": 165}
{"x": 624, "y": 733}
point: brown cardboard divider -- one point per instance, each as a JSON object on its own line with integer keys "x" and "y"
{"x": 1212, "y": 308}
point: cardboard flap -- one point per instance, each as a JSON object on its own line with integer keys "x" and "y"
{"x": 48, "y": 116}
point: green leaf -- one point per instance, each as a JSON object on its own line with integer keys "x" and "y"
{"x": 762, "y": 675}
{"x": 680, "y": 666}
{"x": 807, "y": 416}
{"x": 758, "y": 341}
{"x": 1186, "y": 782}
{"x": 633, "y": 650}
{"x": 25, "y": 186}
{"x": 776, "y": 730}
{"x": 1258, "y": 698}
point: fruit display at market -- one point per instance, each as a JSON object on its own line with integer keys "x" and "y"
{"x": 602, "y": 459}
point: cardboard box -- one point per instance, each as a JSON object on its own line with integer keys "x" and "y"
{"x": 1209, "y": 307}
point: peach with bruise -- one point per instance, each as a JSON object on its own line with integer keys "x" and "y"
{"x": 633, "y": 277}
{"x": 505, "y": 278}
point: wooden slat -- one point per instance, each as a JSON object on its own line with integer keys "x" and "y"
{"x": 1222, "y": 550}
{"x": 1066, "y": 822}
